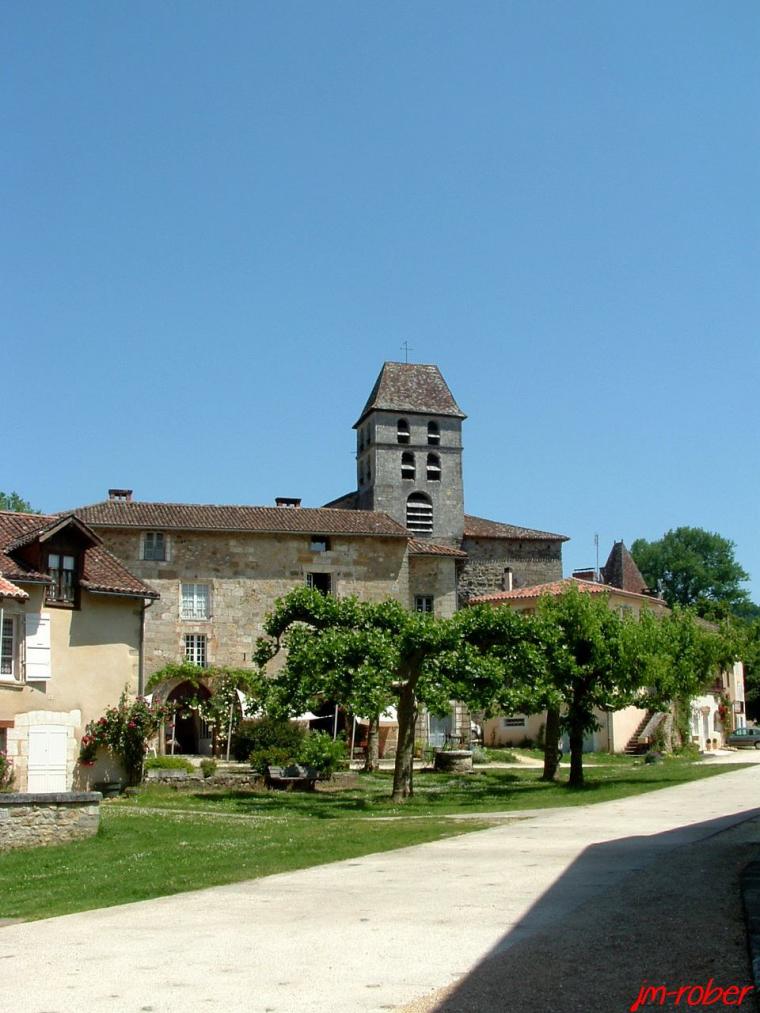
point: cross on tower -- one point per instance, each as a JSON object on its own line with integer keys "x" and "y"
{"x": 406, "y": 348}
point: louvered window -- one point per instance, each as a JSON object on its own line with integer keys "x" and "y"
{"x": 433, "y": 468}
{"x": 419, "y": 514}
{"x": 408, "y": 469}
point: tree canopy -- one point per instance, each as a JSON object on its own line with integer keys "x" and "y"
{"x": 12, "y": 501}
{"x": 371, "y": 655}
{"x": 693, "y": 567}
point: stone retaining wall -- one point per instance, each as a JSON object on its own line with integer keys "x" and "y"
{"x": 28, "y": 821}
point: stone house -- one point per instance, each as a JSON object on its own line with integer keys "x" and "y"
{"x": 71, "y": 617}
{"x": 402, "y": 533}
{"x": 625, "y": 589}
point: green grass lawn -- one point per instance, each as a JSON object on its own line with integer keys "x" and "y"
{"x": 164, "y": 841}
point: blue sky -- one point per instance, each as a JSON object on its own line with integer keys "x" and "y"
{"x": 219, "y": 219}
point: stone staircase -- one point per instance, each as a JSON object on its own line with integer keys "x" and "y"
{"x": 635, "y": 746}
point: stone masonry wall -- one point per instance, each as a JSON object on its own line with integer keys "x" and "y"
{"x": 532, "y": 562}
{"x": 33, "y": 820}
{"x": 246, "y": 574}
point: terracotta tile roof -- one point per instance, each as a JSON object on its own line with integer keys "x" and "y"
{"x": 479, "y": 527}
{"x": 556, "y": 587}
{"x": 263, "y": 520}
{"x": 102, "y": 571}
{"x": 411, "y": 387}
{"x": 419, "y": 548}
{"x": 8, "y": 590}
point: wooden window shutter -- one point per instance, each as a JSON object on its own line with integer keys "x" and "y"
{"x": 37, "y": 646}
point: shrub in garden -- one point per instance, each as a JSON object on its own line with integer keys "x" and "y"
{"x": 325, "y": 754}
{"x": 267, "y": 737}
{"x": 169, "y": 763}
{"x": 208, "y": 767}
{"x": 6, "y": 772}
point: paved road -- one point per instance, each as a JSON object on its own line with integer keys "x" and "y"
{"x": 367, "y": 934}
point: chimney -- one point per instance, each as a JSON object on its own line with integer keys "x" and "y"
{"x": 506, "y": 579}
{"x": 287, "y": 501}
{"x": 120, "y": 495}
{"x": 586, "y": 574}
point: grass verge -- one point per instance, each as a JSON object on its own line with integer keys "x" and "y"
{"x": 164, "y": 842}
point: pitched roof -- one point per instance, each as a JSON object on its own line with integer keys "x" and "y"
{"x": 419, "y": 548}
{"x": 254, "y": 519}
{"x": 479, "y": 527}
{"x": 9, "y": 590}
{"x": 411, "y": 387}
{"x": 621, "y": 571}
{"x": 557, "y": 587}
{"x": 102, "y": 571}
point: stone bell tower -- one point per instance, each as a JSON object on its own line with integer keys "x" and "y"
{"x": 409, "y": 452}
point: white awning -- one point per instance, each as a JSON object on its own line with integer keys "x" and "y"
{"x": 304, "y": 718}
{"x": 387, "y": 718}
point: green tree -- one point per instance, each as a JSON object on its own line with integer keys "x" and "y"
{"x": 593, "y": 660}
{"x": 371, "y": 655}
{"x": 693, "y": 567}
{"x": 12, "y": 501}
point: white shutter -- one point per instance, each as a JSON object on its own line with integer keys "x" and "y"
{"x": 37, "y": 646}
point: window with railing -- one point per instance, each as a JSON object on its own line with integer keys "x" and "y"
{"x": 63, "y": 583}
{"x": 195, "y": 601}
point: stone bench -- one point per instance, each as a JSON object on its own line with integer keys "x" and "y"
{"x": 295, "y": 776}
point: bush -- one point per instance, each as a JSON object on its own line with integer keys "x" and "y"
{"x": 6, "y": 772}
{"x": 325, "y": 754}
{"x": 169, "y": 763}
{"x": 124, "y": 730}
{"x": 208, "y": 767}
{"x": 267, "y": 737}
{"x": 479, "y": 755}
{"x": 270, "y": 756}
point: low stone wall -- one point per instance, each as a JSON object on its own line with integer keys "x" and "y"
{"x": 454, "y": 761}
{"x": 182, "y": 780}
{"x": 28, "y": 821}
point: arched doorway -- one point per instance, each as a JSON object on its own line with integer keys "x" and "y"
{"x": 191, "y": 733}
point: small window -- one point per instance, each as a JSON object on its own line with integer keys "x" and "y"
{"x": 408, "y": 469}
{"x": 514, "y": 722}
{"x": 62, "y": 570}
{"x": 402, "y": 431}
{"x": 319, "y": 543}
{"x": 434, "y": 434}
{"x": 423, "y": 603}
{"x": 433, "y": 468}
{"x": 154, "y": 545}
{"x": 195, "y": 649}
{"x": 8, "y": 649}
{"x": 321, "y": 582}
{"x": 419, "y": 514}
{"x": 195, "y": 601}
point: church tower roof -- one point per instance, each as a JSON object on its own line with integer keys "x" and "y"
{"x": 411, "y": 387}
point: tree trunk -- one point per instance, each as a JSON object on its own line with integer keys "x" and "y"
{"x": 576, "y": 755}
{"x": 551, "y": 745}
{"x": 372, "y": 760}
{"x": 403, "y": 787}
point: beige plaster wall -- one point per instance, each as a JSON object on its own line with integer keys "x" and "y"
{"x": 434, "y": 575}
{"x": 94, "y": 655}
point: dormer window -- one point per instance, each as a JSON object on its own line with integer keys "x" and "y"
{"x": 154, "y": 545}
{"x": 402, "y": 431}
{"x": 62, "y": 570}
{"x": 434, "y": 434}
{"x": 408, "y": 469}
{"x": 433, "y": 468}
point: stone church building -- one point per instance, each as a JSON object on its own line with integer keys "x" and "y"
{"x": 403, "y": 533}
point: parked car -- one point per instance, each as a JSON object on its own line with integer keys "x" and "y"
{"x": 749, "y": 737}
